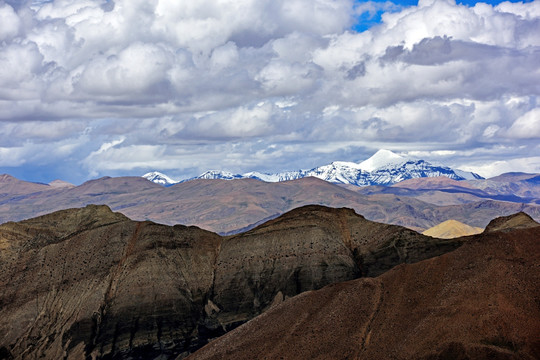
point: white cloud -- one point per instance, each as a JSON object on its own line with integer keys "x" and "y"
{"x": 10, "y": 22}
{"x": 42, "y": 153}
{"x": 133, "y": 70}
{"x": 490, "y": 169}
{"x": 528, "y": 11}
{"x": 14, "y": 156}
{"x": 170, "y": 76}
{"x": 20, "y": 64}
{"x": 281, "y": 78}
{"x": 224, "y": 56}
{"x": 111, "y": 157}
{"x": 39, "y": 131}
{"x": 526, "y": 126}
{"x": 108, "y": 145}
{"x": 491, "y": 131}
{"x": 241, "y": 122}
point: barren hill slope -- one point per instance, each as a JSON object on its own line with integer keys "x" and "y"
{"x": 477, "y": 302}
{"x": 510, "y": 187}
{"x": 88, "y": 282}
{"x": 511, "y": 222}
{"x": 231, "y": 206}
{"x": 11, "y": 187}
{"x": 452, "y": 229}
{"x": 433, "y": 183}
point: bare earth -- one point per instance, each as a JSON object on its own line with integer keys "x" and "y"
{"x": 477, "y": 302}
{"x": 452, "y": 229}
{"x": 231, "y": 206}
{"x": 90, "y": 283}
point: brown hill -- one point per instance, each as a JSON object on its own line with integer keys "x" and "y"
{"x": 431, "y": 194}
{"x": 433, "y": 183}
{"x": 450, "y": 229}
{"x": 507, "y": 223}
{"x": 526, "y": 186}
{"x": 513, "y": 177}
{"x": 512, "y": 187}
{"x": 439, "y": 191}
{"x": 230, "y": 206}
{"x": 477, "y": 302}
{"x": 90, "y": 283}
{"x": 10, "y": 186}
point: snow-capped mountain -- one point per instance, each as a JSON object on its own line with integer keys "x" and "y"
{"x": 282, "y": 176}
{"x": 467, "y": 175}
{"x": 216, "y": 174}
{"x": 383, "y": 168}
{"x": 159, "y": 178}
{"x": 382, "y": 159}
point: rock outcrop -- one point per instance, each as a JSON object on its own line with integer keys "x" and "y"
{"x": 306, "y": 249}
{"x": 511, "y": 222}
{"x": 90, "y": 283}
{"x": 477, "y": 302}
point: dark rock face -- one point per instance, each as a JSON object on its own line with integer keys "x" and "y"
{"x": 90, "y": 283}
{"x": 101, "y": 286}
{"x": 477, "y": 302}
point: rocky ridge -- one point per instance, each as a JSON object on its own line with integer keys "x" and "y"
{"x": 477, "y": 302}
{"x": 511, "y": 222}
{"x": 90, "y": 283}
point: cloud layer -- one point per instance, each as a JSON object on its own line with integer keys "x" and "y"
{"x": 122, "y": 87}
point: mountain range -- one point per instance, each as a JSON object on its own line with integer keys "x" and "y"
{"x": 90, "y": 283}
{"x": 383, "y": 168}
{"x": 231, "y": 206}
{"x": 87, "y": 282}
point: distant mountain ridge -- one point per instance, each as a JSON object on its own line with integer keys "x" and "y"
{"x": 383, "y": 168}
{"x": 227, "y": 207}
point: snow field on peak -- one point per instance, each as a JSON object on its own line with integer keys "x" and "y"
{"x": 382, "y": 158}
{"x": 383, "y": 168}
{"x": 159, "y": 178}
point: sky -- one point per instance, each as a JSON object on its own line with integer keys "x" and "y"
{"x": 92, "y": 88}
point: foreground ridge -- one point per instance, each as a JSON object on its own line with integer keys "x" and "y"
{"x": 477, "y": 302}
{"x": 88, "y": 282}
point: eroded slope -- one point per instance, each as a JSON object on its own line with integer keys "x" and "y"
{"x": 478, "y": 302}
{"x": 91, "y": 283}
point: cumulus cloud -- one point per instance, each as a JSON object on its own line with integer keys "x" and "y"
{"x": 264, "y": 85}
{"x": 494, "y": 168}
{"x": 10, "y": 22}
{"x": 526, "y": 126}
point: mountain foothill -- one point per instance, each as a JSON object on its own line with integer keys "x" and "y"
{"x": 310, "y": 264}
